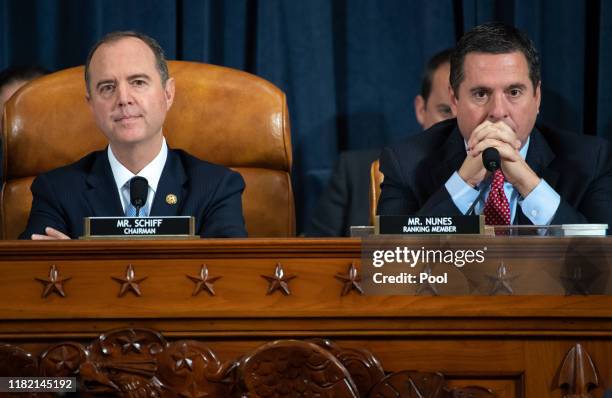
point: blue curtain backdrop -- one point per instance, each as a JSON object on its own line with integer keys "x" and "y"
{"x": 350, "y": 68}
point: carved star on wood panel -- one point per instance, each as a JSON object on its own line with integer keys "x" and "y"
{"x": 351, "y": 280}
{"x": 129, "y": 282}
{"x": 65, "y": 358}
{"x": 279, "y": 281}
{"x": 502, "y": 280}
{"x": 204, "y": 282}
{"x": 130, "y": 343}
{"x": 184, "y": 359}
{"x": 53, "y": 284}
{"x": 578, "y": 282}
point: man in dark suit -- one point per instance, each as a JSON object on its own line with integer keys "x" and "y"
{"x": 345, "y": 200}
{"x": 546, "y": 177}
{"x": 129, "y": 92}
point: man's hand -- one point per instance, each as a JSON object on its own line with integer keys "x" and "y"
{"x": 472, "y": 170}
{"x": 500, "y": 136}
{"x": 50, "y": 234}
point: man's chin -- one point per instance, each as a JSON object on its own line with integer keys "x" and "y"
{"x": 128, "y": 137}
{"x": 129, "y": 131}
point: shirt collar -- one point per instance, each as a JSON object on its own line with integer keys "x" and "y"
{"x": 152, "y": 171}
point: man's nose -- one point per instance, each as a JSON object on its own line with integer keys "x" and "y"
{"x": 124, "y": 96}
{"x": 498, "y": 108}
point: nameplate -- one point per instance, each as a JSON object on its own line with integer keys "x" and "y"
{"x": 427, "y": 225}
{"x": 139, "y": 227}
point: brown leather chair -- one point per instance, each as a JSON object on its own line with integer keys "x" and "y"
{"x": 221, "y": 115}
{"x": 376, "y": 178}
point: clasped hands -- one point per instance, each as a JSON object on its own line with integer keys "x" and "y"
{"x": 500, "y": 136}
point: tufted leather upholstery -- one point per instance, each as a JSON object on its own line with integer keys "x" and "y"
{"x": 221, "y": 115}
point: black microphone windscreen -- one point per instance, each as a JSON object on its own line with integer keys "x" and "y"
{"x": 491, "y": 159}
{"x": 139, "y": 189}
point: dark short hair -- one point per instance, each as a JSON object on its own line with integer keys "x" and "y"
{"x": 437, "y": 60}
{"x": 493, "y": 38}
{"x": 20, "y": 73}
{"x": 160, "y": 58}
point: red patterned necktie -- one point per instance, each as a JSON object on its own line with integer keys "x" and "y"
{"x": 497, "y": 209}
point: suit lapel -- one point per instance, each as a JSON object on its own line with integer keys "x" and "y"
{"x": 447, "y": 161}
{"x": 171, "y": 182}
{"x": 539, "y": 157}
{"x": 102, "y": 195}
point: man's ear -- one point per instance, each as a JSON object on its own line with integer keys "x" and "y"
{"x": 169, "y": 90}
{"x": 88, "y": 99}
{"x": 453, "y": 100}
{"x": 419, "y": 109}
{"x": 538, "y": 95}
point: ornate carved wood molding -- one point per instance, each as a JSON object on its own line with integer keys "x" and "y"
{"x": 140, "y": 362}
{"x": 577, "y": 375}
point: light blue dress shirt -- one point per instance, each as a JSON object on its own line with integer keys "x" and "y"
{"x": 539, "y": 206}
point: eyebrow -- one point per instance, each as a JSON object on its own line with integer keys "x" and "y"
{"x": 102, "y": 82}
{"x": 480, "y": 88}
{"x": 139, "y": 76}
{"x": 520, "y": 86}
{"x": 130, "y": 77}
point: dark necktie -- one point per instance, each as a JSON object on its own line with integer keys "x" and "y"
{"x": 130, "y": 209}
{"x": 497, "y": 208}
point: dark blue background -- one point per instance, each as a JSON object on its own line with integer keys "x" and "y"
{"x": 350, "y": 68}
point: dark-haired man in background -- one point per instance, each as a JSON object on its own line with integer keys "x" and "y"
{"x": 345, "y": 200}
{"x": 545, "y": 177}
{"x": 130, "y": 92}
{"x": 11, "y": 80}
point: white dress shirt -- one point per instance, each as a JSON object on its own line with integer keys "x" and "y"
{"x": 152, "y": 172}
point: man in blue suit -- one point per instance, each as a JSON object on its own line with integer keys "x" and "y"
{"x": 129, "y": 92}
{"x": 547, "y": 177}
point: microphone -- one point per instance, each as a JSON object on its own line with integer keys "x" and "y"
{"x": 139, "y": 190}
{"x": 492, "y": 162}
{"x": 491, "y": 159}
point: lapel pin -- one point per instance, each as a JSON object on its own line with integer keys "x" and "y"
{"x": 171, "y": 199}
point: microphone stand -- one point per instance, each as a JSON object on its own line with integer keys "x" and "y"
{"x": 487, "y": 183}
{"x": 492, "y": 162}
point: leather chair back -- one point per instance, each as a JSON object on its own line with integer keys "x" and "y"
{"x": 221, "y": 115}
{"x": 376, "y": 178}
